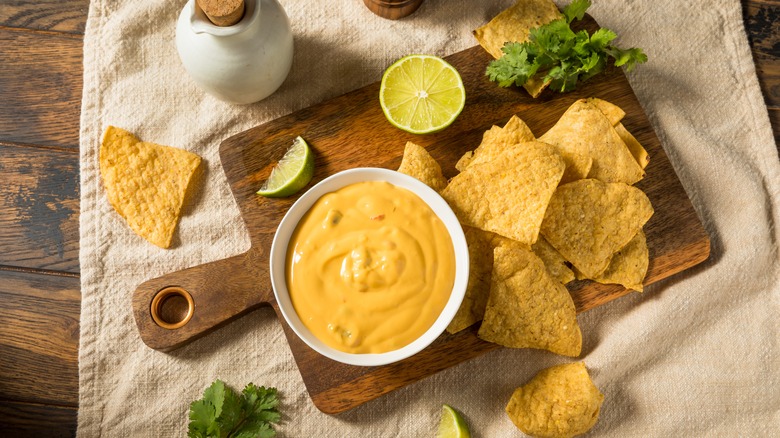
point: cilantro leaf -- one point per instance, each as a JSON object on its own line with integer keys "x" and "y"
{"x": 202, "y": 416}
{"x": 563, "y": 56}
{"x": 576, "y": 9}
{"x": 216, "y": 395}
{"x": 601, "y": 39}
{"x": 513, "y": 68}
{"x": 629, "y": 57}
{"x": 223, "y": 413}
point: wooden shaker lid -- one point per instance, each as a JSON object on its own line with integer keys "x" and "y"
{"x": 392, "y": 9}
{"x": 222, "y": 12}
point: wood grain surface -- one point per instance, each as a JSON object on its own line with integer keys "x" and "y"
{"x": 42, "y": 127}
{"x": 350, "y": 131}
{"x": 39, "y": 210}
{"x": 44, "y": 308}
{"x": 43, "y": 109}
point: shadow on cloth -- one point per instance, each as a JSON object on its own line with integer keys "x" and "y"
{"x": 193, "y": 198}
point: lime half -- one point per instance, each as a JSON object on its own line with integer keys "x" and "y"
{"x": 421, "y": 94}
{"x": 452, "y": 425}
{"x": 291, "y": 173}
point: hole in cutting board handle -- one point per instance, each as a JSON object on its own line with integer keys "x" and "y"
{"x": 172, "y": 307}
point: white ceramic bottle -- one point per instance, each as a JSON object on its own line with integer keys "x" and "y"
{"x": 241, "y": 63}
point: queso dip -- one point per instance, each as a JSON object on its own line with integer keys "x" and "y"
{"x": 369, "y": 268}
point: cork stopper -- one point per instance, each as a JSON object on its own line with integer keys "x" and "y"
{"x": 222, "y": 12}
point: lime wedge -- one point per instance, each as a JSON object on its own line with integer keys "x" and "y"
{"x": 452, "y": 425}
{"x": 421, "y": 94}
{"x": 291, "y": 173}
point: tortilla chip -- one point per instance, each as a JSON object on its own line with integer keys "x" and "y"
{"x": 495, "y": 141}
{"x": 637, "y": 151}
{"x": 509, "y": 194}
{"x": 536, "y": 84}
{"x": 584, "y": 129}
{"x": 553, "y": 260}
{"x": 514, "y": 25}
{"x": 527, "y": 307}
{"x": 497, "y": 138}
{"x": 146, "y": 183}
{"x": 629, "y": 265}
{"x": 464, "y": 161}
{"x": 515, "y": 131}
{"x": 577, "y": 166}
{"x": 587, "y": 221}
{"x": 560, "y": 401}
{"x": 613, "y": 112}
{"x": 480, "y": 270}
{"x": 418, "y": 163}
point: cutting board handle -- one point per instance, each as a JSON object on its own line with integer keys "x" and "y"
{"x": 182, "y": 306}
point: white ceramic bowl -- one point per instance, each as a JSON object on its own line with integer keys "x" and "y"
{"x": 335, "y": 182}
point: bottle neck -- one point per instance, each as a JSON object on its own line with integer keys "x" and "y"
{"x": 200, "y": 22}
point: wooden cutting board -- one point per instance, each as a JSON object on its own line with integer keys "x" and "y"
{"x": 351, "y": 131}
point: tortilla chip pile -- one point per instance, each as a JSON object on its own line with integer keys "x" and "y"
{"x": 538, "y": 213}
{"x": 560, "y": 401}
{"x": 146, "y": 183}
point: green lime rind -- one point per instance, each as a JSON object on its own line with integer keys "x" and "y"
{"x": 452, "y": 424}
{"x": 441, "y": 111}
{"x": 293, "y": 172}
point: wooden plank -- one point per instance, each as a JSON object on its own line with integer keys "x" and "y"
{"x": 22, "y": 420}
{"x": 39, "y": 208}
{"x": 39, "y": 337}
{"x": 40, "y": 87}
{"x": 774, "y": 119}
{"x": 54, "y": 15}
{"x": 761, "y": 20}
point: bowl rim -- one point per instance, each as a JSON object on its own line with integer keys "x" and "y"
{"x": 334, "y": 182}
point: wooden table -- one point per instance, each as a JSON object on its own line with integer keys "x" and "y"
{"x": 40, "y": 91}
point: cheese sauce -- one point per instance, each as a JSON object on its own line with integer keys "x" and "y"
{"x": 369, "y": 268}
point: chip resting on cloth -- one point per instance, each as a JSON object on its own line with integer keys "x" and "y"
{"x": 527, "y": 307}
{"x": 418, "y": 163}
{"x": 514, "y": 25}
{"x": 146, "y": 183}
{"x": 587, "y": 221}
{"x": 509, "y": 194}
{"x": 559, "y": 402}
{"x": 583, "y": 129}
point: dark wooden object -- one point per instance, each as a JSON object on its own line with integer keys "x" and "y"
{"x": 393, "y": 9}
{"x": 42, "y": 124}
{"x": 350, "y": 131}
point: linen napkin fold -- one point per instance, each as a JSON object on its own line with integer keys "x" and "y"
{"x": 695, "y": 355}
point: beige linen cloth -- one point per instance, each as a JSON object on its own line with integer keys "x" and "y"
{"x": 696, "y": 355}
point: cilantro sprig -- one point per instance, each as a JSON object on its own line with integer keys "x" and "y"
{"x": 222, "y": 413}
{"x": 566, "y": 56}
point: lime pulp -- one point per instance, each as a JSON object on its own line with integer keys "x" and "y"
{"x": 421, "y": 94}
{"x": 452, "y": 424}
{"x": 292, "y": 173}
